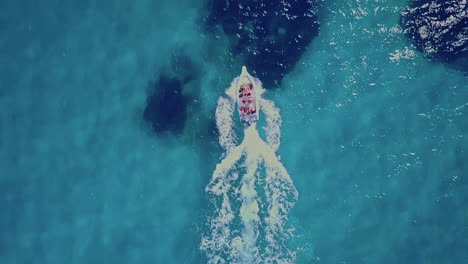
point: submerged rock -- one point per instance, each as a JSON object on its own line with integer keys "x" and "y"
{"x": 166, "y": 107}
{"x": 168, "y": 100}
{"x": 271, "y": 35}
{"x": 439, "y": 28}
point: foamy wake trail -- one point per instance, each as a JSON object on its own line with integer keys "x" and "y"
{"x": 248, "y": 227}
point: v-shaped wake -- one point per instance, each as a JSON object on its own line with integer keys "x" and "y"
{"x": 252, "y": 176}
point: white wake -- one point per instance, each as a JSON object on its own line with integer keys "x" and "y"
{"x": 251, "y": 191}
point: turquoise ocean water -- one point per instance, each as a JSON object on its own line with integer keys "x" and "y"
{"x": 374, "y": 136}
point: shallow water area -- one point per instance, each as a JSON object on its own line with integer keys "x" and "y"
{"x": 373, "y": 136}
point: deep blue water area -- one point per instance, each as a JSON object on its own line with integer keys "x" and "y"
{"x": 108, "y": 135}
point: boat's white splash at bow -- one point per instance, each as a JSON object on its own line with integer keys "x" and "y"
{"x": 251, "y": 190}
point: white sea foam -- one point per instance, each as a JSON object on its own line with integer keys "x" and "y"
{"x": 225, "y": 124}
{"x": 252, "y": 192}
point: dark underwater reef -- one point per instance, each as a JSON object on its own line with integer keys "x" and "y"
{"x": 166, "y": 105}
{"x": 438, "y": 28}
{"x": 270, "y": 35}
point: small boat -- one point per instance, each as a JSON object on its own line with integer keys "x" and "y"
{"x": 247, "y": 102}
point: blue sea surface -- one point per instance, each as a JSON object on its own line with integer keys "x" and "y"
{"x": 374, "y": 135}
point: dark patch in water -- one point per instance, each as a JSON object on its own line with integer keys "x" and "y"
{"x": 439, "y": 28}
{"x": 174, "y": 100}
{"x": 169, "y": 95}
{"x": 270, "y": 35}
{"x": 166, "y": 107}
